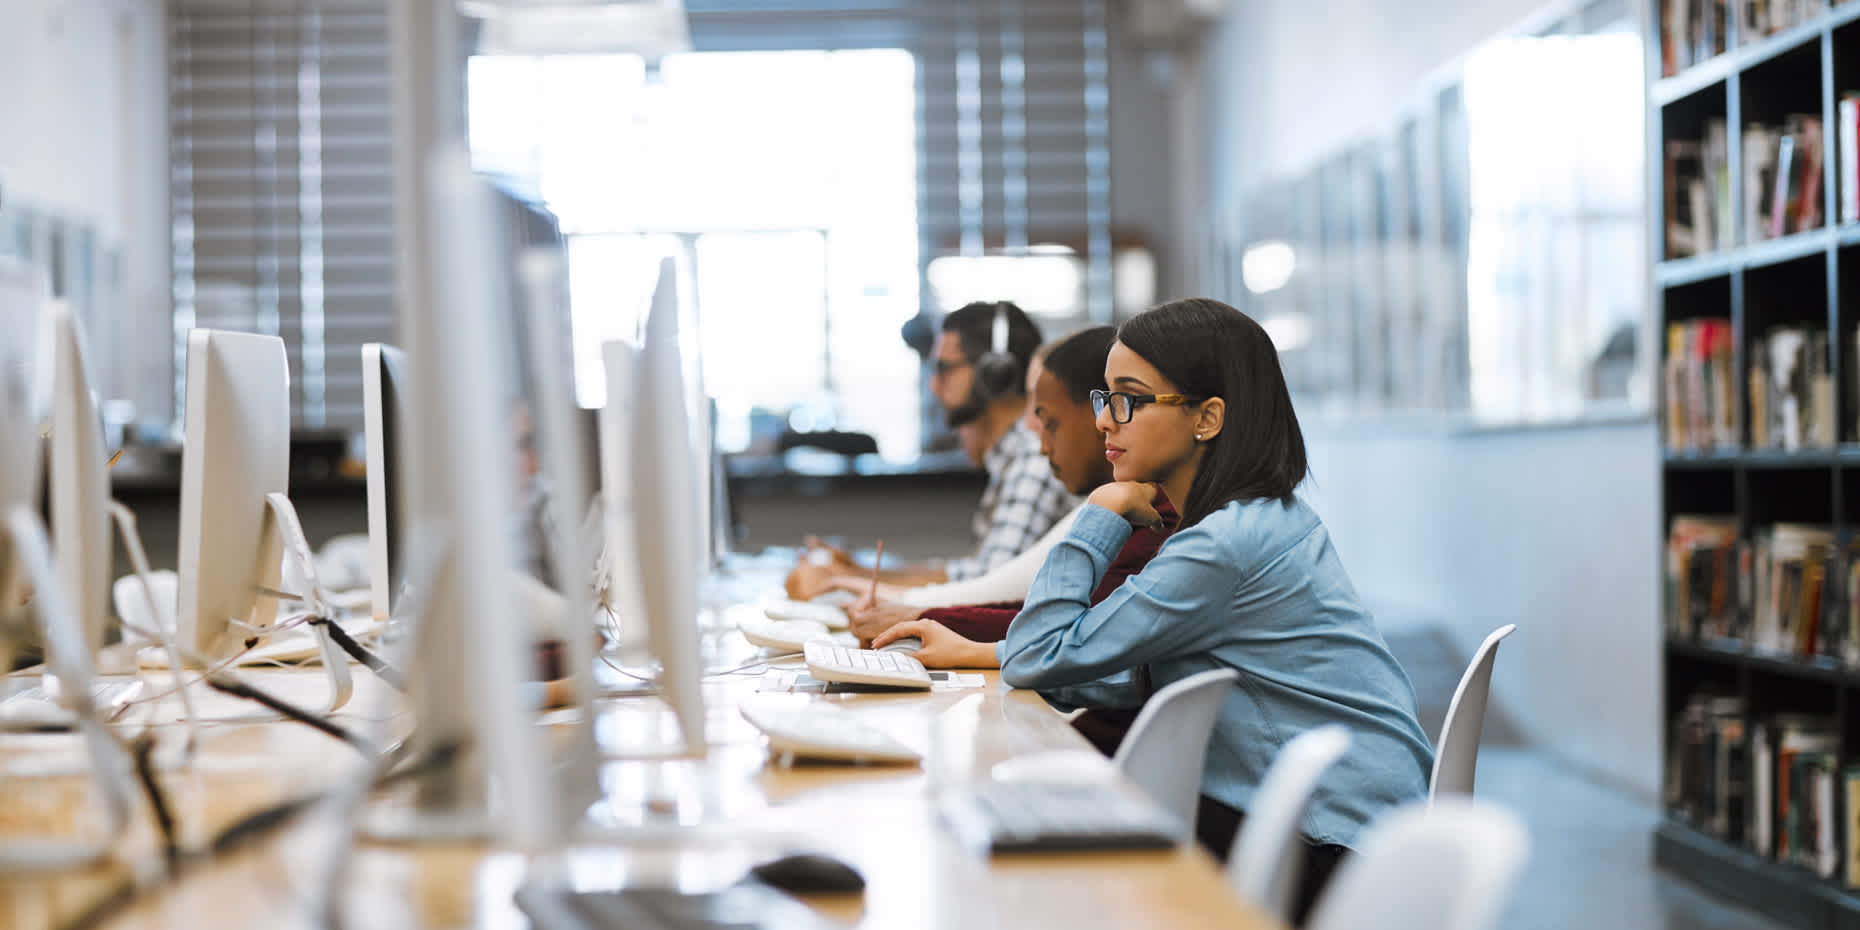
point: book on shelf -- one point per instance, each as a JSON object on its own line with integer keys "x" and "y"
{"x": 1847, "y": 135}
{"x": 1708, "y": 771}
{"x": 1792, "y": 390}
{"x": 1807, "y": 756}
{"x": 1851, "y": 796}
{"x": 1760, "y": 19}
{"x": 1700, "y": 413}
{"x": 1691, "y": 31}
{"x": 1702, "y": 556}
{"x": 1768, "y": 782}
{"x": 1791, "y": 565}
{"x": 1698, "y": 193}
{"x": 1788, "y": 589}
{"x": 1782, "y": 177}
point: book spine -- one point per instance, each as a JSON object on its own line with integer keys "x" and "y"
{"x": 1852, "y": 783}
{"x": 1849, "y": 160}
{"x": 1762, "y": 792}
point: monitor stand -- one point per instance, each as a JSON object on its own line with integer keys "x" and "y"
{"x": 162, "y": 633}
{"x": 449, "y": 804}
{"x": 335, "y": 661}
{"x": 68, "y": 657}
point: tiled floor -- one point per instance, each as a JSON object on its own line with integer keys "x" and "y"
{"x": 1591, "y": 863}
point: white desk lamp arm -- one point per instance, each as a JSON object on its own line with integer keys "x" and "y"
{"x": 335, "y": 661}
{"x": 125, "y": 520}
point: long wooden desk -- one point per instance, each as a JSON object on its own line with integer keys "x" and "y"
{"x": 692, "y": 823}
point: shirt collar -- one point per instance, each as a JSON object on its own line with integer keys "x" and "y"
{"x": 1012, "y": 444}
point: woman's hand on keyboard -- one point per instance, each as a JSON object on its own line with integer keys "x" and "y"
{"x": 942, "y": 646}
{"x": 869, "y": 622}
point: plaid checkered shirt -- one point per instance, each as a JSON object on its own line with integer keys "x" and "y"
{"x": 1022, "y": 501}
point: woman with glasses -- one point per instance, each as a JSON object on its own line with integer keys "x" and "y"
{"x": 1197, "y": 407}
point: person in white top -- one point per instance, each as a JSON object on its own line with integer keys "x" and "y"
{"x": 1008, "y": 581}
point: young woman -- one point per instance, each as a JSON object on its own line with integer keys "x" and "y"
{"x": 1249, "y": 580}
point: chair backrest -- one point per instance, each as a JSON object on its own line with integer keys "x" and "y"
{"x": 1457, "y": 755}
{"x": 1444, "y": 865}
{"x": 1167, "y": 745}
{"x": 1265, "y": 863}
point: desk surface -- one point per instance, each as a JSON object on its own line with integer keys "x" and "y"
{"x": 693, "y": 823}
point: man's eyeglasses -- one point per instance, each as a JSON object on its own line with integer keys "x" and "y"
{"x": 1124, "y": 406}
{"x": 944, "y": 367}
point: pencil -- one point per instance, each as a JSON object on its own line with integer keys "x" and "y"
{"x": 113, "y": 458}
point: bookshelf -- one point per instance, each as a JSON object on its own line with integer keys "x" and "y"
{"x": 1748, "y": 268}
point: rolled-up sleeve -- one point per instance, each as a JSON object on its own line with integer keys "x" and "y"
{"x": 1175, "y": 605}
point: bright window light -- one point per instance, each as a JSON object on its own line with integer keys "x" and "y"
{"x": 786, "y": 180}
{"x": 1042, "y": 284}
{"x": 1267, "y": 266}
{"x": 1288, "y": 332}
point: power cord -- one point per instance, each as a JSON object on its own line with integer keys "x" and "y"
{"x": 247, "y": 830}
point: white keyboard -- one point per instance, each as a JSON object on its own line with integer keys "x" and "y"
{"x": 832, "y": 617}
{"x": 33, "y": 709}
{"x": 786, "y": 635}
{"x": 819, "y": 731}
{"x": 837, "y": 597}
{"x": 830, "y": 663}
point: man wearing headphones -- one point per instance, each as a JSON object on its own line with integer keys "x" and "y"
{"x": 979, "y": 378}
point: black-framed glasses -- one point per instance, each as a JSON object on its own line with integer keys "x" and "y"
{"x": 944, "y": 367}
{"x": 1124, "y": 406}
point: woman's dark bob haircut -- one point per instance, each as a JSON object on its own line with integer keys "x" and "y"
{"x": 1208, "y": 349}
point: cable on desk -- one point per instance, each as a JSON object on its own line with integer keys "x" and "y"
{"x": 142, "y": 749}
{"x": 757, "y": 663}
{"x": 223, "y": 682}
{"x": 362, "y": 654}
{"x": 249, "y": 829}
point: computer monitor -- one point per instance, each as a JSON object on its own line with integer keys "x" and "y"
{"x": 80, "y": 483}
{"x": 384, "y": 410}
{"x": 23, "y": 298}
{"x": 468, "y": 661}
{"x": 617, "y": 426}
{"x": 667, "y": 519}
{"x": 236, "y": 452}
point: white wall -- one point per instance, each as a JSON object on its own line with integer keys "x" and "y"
{"x": 83, "y": 134}
{"x": 1556, "y": 530}
{"x": 1553, "y": 530}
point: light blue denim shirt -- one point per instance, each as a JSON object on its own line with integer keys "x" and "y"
{"x": 1256, "y": 587}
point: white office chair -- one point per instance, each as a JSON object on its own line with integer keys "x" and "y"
{"x": 1167, "y": 745}
{"x": 1457, "y": 755}
{"x": 1265, "y": 863}
{"x": 1444, "y": 865}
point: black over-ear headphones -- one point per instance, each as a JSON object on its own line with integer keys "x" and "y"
{"x": 997, "y": 373}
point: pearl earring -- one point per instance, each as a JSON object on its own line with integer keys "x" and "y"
{"x": 1197, "y": 437}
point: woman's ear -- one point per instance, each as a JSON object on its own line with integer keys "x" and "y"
{"x": 1213, "y": 416}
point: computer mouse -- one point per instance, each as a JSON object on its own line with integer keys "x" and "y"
{"x": 906, "y": 644}
{"x": 809, "y": 873}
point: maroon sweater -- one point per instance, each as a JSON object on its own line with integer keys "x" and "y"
{"x": 988, "y": 623}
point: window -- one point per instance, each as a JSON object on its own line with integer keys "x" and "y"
{"x": 786, "y": 179}
{"x": 282, "y": 187}
{"x": 1556, "y": 245}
